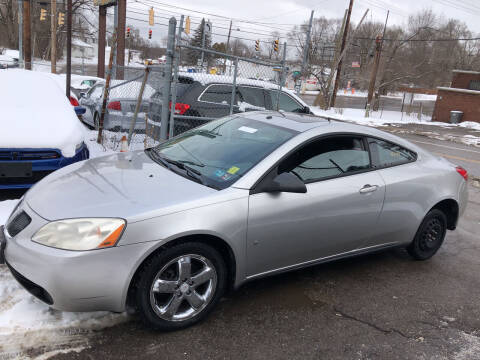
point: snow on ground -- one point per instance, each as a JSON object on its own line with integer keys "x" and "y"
{"x": 383, "y": 118}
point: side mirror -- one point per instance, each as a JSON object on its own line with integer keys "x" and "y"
{"x": 80, "y": 110}
{"x": 285, "y": 182}
{"x": 306, "y": 110}
{"x": 82, "y": 94}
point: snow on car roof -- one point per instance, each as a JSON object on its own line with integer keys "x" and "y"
{"x": 35, "y": 113}
{"x": 206, "y": 79}
{"x": 129, "y": 90}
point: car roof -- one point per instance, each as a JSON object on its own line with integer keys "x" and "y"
{"x": 321, "y": 125}
{"x": 292, "y": 121}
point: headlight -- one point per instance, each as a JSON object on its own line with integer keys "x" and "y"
{"x": 80, "y": 234}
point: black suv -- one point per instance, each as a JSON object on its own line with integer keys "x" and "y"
{"x": 209, "y": 96}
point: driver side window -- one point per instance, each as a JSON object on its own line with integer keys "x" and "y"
{"x": 327, "y": 158}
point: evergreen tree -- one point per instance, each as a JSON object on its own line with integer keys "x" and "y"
{"x": 196, "y": 40}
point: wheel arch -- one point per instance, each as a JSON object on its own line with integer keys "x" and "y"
{"x": 216, "y": 242}
{"x": 451, "y": 210}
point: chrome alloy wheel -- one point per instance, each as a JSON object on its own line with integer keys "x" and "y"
{"x": 183, "y": 287}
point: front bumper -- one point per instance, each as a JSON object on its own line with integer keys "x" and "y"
{"x": 43, "y": 167}
{"x": 92, "y": 280}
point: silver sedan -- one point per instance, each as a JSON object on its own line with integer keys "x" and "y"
{"x": 168, "y": 230}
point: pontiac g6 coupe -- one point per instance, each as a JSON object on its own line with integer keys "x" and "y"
{"x": 168, "y": 230}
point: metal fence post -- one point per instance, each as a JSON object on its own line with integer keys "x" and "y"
{"x": 282, "y": 74}
{"x": 175, "y": 80}
{"x": 172, "y": 24}
{"x": 234, "y": 85}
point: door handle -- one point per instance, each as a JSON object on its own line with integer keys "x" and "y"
{"x": 368, "y": 189}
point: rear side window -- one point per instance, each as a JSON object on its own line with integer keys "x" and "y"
{"x": 253, "y": 96}
{"x": 326, "y": 158}
{"x": 218, "y": 94}
{"x": 385, "y": 153}
{"x": 286, "y": 102}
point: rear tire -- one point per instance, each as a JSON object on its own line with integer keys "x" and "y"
{"x": 180, "y": 286}
{"x": 430, "y": 235}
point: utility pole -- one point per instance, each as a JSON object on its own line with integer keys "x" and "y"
{"x": 226, "y": 48}
{"x": 376, "y": 64}
{"x": 344, "y": 42}
{"x": 69, "y": 47}
{"x": 307, "y": 45}
{"x": 20, "y": 31}
{"x": 53, "y": 30}
{"x": 203, "y": 40}
{"x": 27, "y": 42}
{"x": 122, "y": 16}
{"x": 102, "y": 30}
{"x": 115, "y": 26}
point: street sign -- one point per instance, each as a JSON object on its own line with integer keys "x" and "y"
{"x": 104, "y": 2}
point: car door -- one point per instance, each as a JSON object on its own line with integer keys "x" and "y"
{"x": 336, "y": 215}
{"x": 214, "y": 101}
{"x": 251, "y": 98}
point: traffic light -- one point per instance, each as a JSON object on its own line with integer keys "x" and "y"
{"x": 187, "y": 25}
{"x": 275, "y": 45}
{"x": 43, "y": 14}
{"x": 150, "y": 34}
{"x": 128, "y": 32}
{"x": 151, "y": 16}
{"x": 61, "y": 18}
{"x": 257, "y": 45}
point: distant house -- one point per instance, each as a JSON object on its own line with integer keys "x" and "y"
{"x": 81, "y": 49}
{"x": 463, "y": 95}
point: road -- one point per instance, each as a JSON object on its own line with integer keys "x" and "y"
{"x": 379, "y": 306}
{"x": 388, "y": 103}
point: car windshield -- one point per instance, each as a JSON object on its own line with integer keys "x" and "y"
{"x": 219, "y": 153}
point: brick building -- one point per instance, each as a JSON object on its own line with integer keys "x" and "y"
{"x": 463, "y": 95}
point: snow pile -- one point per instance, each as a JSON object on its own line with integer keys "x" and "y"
{"x": 27, "y": 323}
{"x": 36, "y": 114}
{"x": 6, "y": 208}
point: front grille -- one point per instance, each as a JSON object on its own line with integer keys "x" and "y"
{"x": 31, "y": 287}
{"x": 12, "y": 155}
{"x": 18, "y": 223}
{"x": 36, "y": 176}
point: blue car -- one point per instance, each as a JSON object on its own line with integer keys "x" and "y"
{"x": 39, "y": 135}
{"x": 22, "y": 168}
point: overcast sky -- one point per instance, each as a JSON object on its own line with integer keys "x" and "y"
{"x": 280, "y": 13}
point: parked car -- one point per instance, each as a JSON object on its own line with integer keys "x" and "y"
{"x": 121, "y": 105}
{"x": 168, "y": 230}
{"x": 209, "y": 96}
{"x": 38, "y": 136}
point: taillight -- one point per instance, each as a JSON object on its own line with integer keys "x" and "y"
{"x": 73, "y": 101}
{"x": 180, "y": 108}
{"x": 115, "y": 105}
{"x": 462, "y": 172}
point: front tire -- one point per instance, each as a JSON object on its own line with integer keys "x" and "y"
{"x": 430, "y": 235}
{"x": 180, "y": 286}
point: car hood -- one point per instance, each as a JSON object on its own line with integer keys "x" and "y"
{"x": 126, "y": 185}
